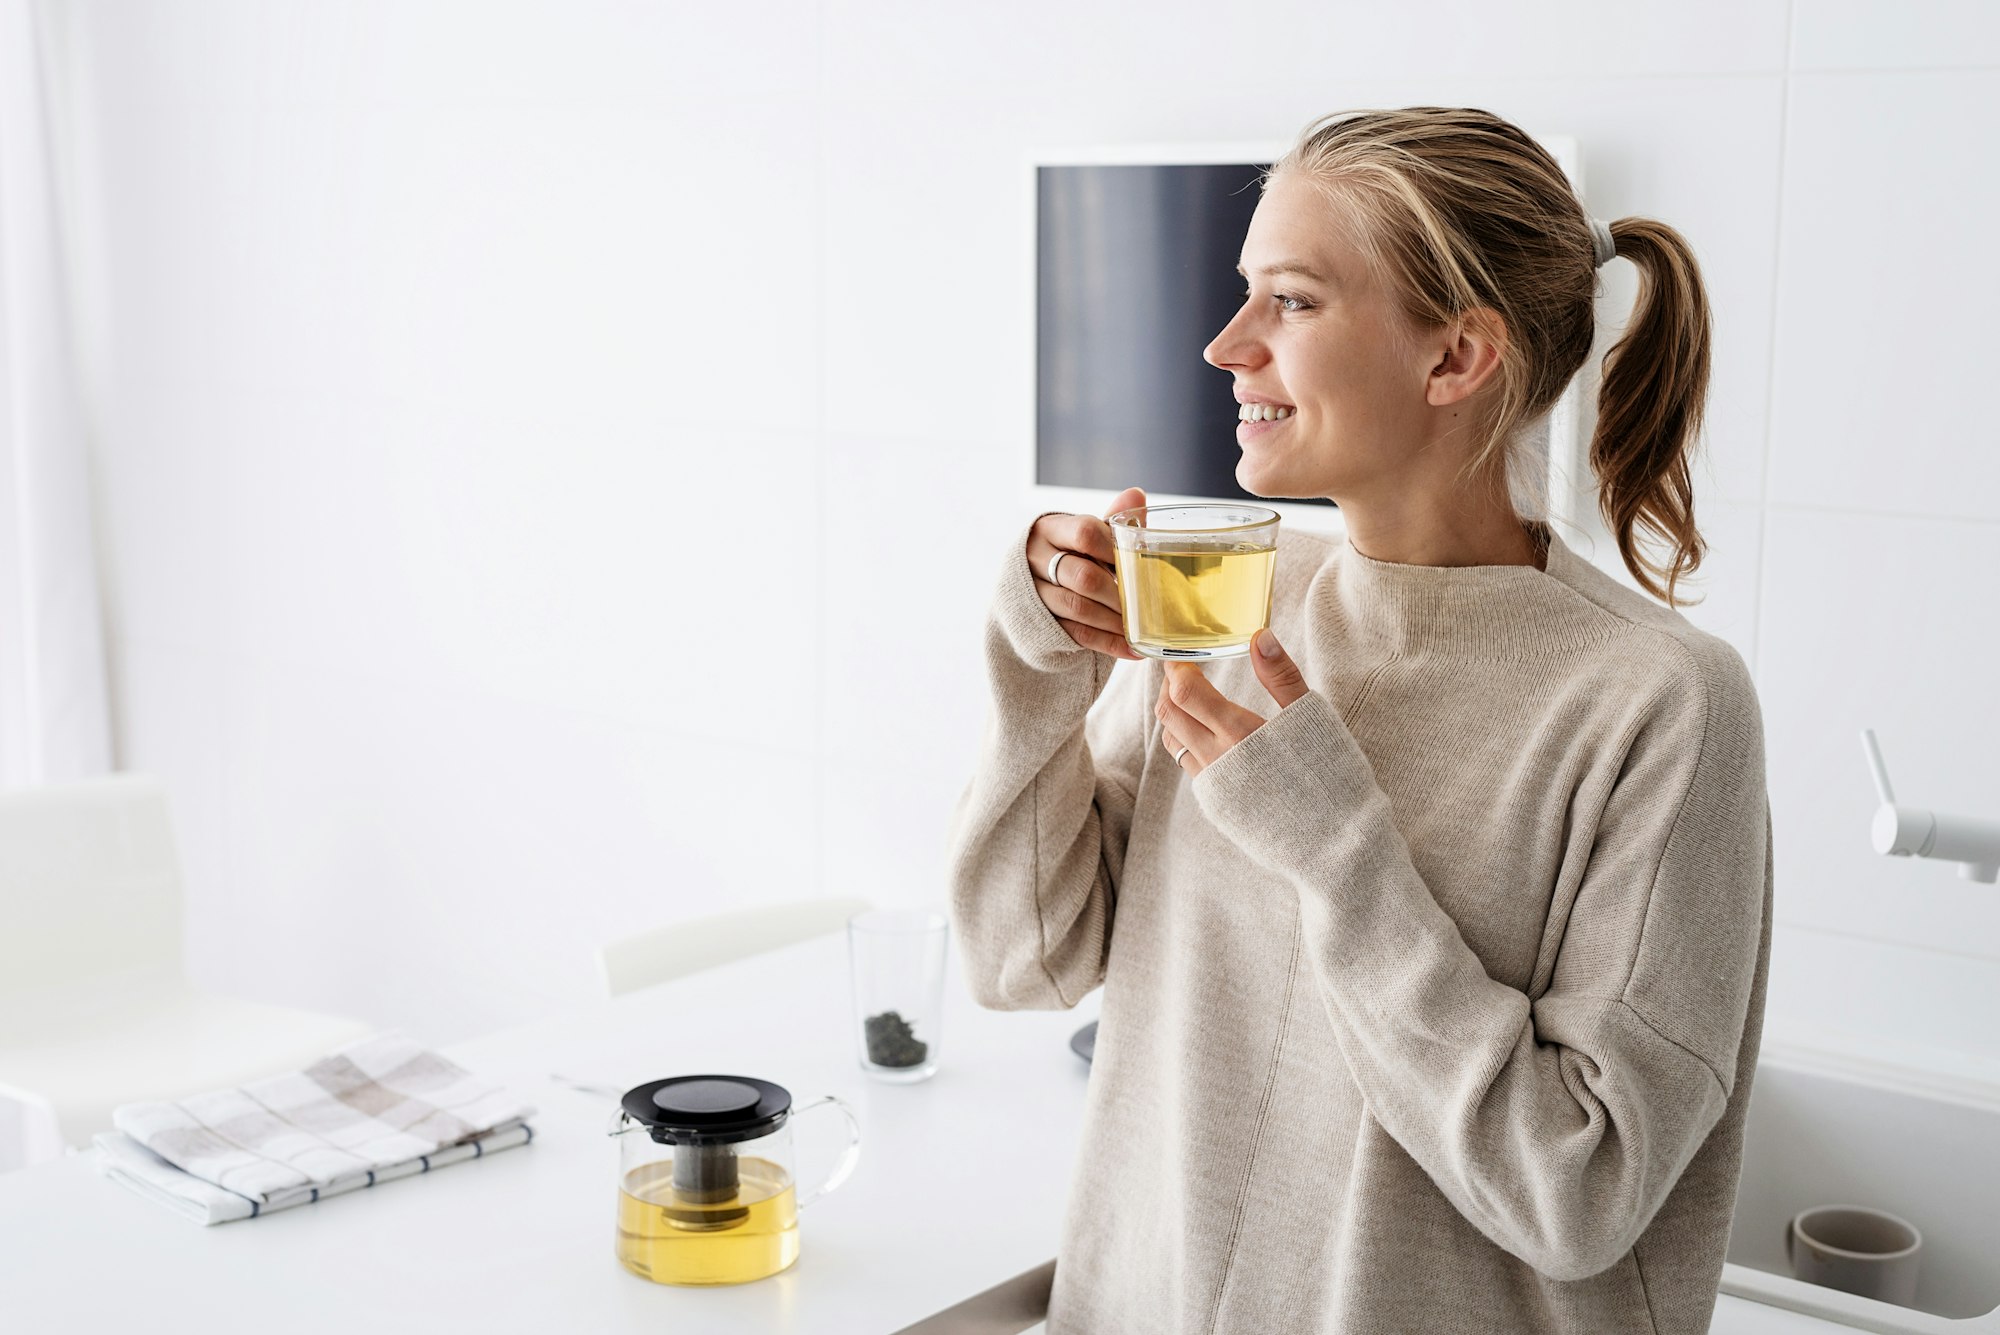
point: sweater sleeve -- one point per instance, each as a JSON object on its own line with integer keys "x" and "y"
{"x": 1037, "y": 841}
{"x": 1557, "y": 1125}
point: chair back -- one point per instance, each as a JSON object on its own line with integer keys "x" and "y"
{"x": 661, "y": 954}
{"x": 89, "y": 882}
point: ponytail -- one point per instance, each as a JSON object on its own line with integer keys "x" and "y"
{"x": 1650, "y": 408}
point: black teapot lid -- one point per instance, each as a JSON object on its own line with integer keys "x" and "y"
{"x": 708, "y": 1109}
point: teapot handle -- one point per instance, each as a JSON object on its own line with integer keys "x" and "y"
{"x": 848, "y": 1156}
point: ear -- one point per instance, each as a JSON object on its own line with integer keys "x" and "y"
{"x": 1468, "y": 356}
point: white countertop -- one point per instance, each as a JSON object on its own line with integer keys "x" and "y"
{"x": 960, "y": 1187}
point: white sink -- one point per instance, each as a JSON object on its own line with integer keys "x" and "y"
{"x": 1831, "y": 1129}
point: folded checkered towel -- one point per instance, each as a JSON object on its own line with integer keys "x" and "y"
{"x": 370, "y": 1113}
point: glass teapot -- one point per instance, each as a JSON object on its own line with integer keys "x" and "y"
{"x": 707, "y": 1194}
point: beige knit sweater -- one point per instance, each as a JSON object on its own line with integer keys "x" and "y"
{"x": 1431, "y": 1006}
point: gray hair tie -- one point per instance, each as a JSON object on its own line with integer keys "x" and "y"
{"x": 1600, "y": 236}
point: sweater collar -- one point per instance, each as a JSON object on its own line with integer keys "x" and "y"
{"x": 1476, "y": 611}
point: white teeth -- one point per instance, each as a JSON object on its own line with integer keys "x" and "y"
{"x": 1261, "y": 412}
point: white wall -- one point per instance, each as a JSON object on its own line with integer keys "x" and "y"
{"x": 554, "y": 457}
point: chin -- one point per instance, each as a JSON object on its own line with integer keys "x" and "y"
{"x": 1255, "y": 480}
{"x": 1274, "y": 484}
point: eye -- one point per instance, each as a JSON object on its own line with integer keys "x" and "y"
{"x": 1298, "y": 303}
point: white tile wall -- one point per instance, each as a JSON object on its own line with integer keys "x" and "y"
{"x": 1883, "y": 538}
{"x": 1894, "y": 34}
{"x": 1931, "y": 1009}
{"x": 554, "y": 458}
{"x": 1870, "y": 620}
{"x": 1889, "y": 195}
{"x": 1050, "y": 48}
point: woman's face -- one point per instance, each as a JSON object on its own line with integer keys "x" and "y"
{"x": 1316, "y": 334}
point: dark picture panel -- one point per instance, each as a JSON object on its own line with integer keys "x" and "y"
{"x": 1136, "y": 272}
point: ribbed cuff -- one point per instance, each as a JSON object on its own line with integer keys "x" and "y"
{"x": 1277, "y": 792}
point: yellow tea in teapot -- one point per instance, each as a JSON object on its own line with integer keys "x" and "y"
{"x": 670, "y": 1237}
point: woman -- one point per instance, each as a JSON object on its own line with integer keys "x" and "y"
{"x": 1431, "y": 995}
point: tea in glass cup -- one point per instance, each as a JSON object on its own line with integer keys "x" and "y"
{"x": 1194, "y": 581}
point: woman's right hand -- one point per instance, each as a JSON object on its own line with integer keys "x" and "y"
{"x": 1085, "y": 604}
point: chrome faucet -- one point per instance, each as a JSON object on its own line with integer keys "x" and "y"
{"x": 1902, "y": 832}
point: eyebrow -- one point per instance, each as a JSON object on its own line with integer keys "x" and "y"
{"x": 1298, "y": 267}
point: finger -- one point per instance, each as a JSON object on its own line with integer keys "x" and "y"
{"x": 1187, "y": 750}
{"x": 1180, "y": 722}
{"x": 1083, "y": 575}
{"x": 1275, "y": 668}
{"x": 1105, "y": 642}
{"x": 1132, "y": 498}
{"x": 1087, "y": 534}
{"x": 1187, "y": 688}
{"x": 1080, "y": 572}
{"x": 1208, "y": 708}
{"x": 1069, "y": 605}
{"x": 1178, "y": 750}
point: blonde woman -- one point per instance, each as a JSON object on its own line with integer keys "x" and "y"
{"x": 1434, "y": 932}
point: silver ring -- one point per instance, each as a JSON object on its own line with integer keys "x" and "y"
{"x": 1055, "y": 566}
{"x": 1183, "y": 751}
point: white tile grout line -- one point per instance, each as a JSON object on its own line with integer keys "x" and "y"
{"x": 1795, "y": 925}
{"x": 1871, "y": 512}
{"x": 1879, "y": 70}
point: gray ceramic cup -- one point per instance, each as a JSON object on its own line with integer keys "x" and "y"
{"x": 1856, "y": 1250}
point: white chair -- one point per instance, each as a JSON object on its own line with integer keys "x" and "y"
{"x": 95, "y": 1005}
{"x": 661, "y": 954}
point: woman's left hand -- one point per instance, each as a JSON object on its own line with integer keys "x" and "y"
{"x": 1197, "y": 716}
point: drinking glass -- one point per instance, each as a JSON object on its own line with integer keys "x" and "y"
{"x": 1195, "y": 580}
{"x": 898, "y": 958}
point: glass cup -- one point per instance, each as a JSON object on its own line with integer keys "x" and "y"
{"x": 898, "y": 960}
{"x": 1194, "y": 581}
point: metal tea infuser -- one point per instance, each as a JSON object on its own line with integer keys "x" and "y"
{"x": 707, "y": 1195}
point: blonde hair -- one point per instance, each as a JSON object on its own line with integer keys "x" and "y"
{"x": 1456, "y": 209}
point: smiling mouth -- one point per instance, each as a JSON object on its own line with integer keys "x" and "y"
{"x": 1257, "y": 426}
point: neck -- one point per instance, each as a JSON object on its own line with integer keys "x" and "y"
{"x": 1421, "y": 530}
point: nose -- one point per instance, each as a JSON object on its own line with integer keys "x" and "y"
{"x": 1233, "y": 346}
